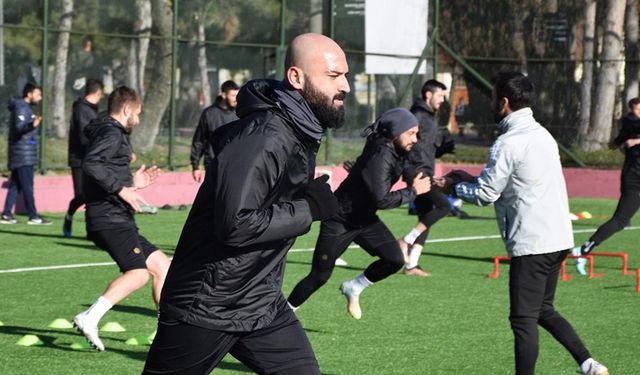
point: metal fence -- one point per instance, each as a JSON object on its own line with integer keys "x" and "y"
{"x": 247, "y": 39}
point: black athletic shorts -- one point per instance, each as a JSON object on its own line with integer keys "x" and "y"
{"x": 281, "y": 348}
{"x": 126, "y": 246}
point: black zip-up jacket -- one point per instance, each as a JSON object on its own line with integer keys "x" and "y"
{"x": 23, "y": 144}
{"x": 106, "y": 171}
{"x": 631, "y": 167}
{"x": 227, "y": 270}
{"x": 367, "y": 187}
{"x": 211, "y": 118}
{"x": 82, "y": 113}
{"x": 422, "y": 157}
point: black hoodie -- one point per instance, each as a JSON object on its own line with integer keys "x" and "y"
{"x": 106, "y": 171}
{"x": 82, "y": 113}
{"x": 422, "y": 157}
{"x": 229, "y": 262}
{"x": 631, "y": 168}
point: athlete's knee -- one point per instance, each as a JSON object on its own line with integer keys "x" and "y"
{"x": 138, "y": 277}
{"x": 319, "y": 278}
{"x": 158, "y": 264}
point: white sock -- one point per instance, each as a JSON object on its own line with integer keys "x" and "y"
{"x": 360, "y": 283}
{"x": 294, "y": 308}
{"x": 586, "y": 365}
{"x": 98, "y": 309}
{"x": 410, "y": 238}
{"x": 414, "y": 256}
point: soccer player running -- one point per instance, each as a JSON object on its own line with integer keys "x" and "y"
{"x": 628, "y": 141}
{"x": 111, "y": 196}
{"x": 433, "y": 205}
{"x": 524, "y": 180}
{"x": 83, "y": 111}
{"x": 366, "y": 189}
{"x": 223, "y": 290}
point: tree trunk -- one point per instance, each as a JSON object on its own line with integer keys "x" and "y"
{"x": 58, "y": 105}
{"x": 632, "y": 75}
{"x": 202, "y": 63}
{"x": 158, "y": 95}
{"x": 586, "y": 87}
{"x": 607, "y": 77}
{"x": 138, "y": 49}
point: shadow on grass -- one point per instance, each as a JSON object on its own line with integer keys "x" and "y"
{"x": 86, "y": 246}
{"x": 337, "y": 267}
{"x": 461, "y": 257}
{"x": 32, "y": 234}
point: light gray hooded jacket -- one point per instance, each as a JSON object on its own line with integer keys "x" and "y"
{"x": 524, "y": 179}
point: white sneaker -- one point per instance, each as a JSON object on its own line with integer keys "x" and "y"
{"x": 8, "y": 219}
{"x": 596, "y": 368}
{"x": 353, "y": 300}
{"x": 90, "y": 331}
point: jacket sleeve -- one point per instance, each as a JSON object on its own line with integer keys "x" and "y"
{"x": 377, "y": 178}
{"x": 23, "y": 120}
{"x": 199, "y": 141}
{"x": 247, "y": 208}
{"x": 83, "y": 119}
{"x": 103, "y": 147}
{"x": 492, "y": 180}
{"x": 626, "y": 133}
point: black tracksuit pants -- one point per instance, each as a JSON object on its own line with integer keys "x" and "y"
{"x": 627, "y": 207}
{"x": 376, "y": 239}
{"x": 532, "y": 288}
{"x": 431, "y": 207}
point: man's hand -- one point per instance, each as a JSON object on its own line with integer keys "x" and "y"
{"x": 322, "y": 203}
{"x": 197, "y": 175}
{"x": 129, "y": 195}
{"x": 421, "y": 184}
{"x": 144, "y": 177}
{"x": 632, "y": 142}
{"x": 36, "y": 121}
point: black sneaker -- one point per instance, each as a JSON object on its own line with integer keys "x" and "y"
{"x": 8, "y": 219}
{"x": 38, "y": 221}
{"x": 66, "y": 226}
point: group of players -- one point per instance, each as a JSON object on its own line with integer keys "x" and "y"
{"x": 222, "y": 294}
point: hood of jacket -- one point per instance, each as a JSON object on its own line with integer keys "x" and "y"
{"x": 264, "y": 95}
{"x": 15, "y": 102}
{"x": 97, "y": 123}
{"x": 523, "y": 117}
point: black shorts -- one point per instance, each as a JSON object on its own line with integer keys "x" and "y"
{"x": 126, "y": 246}
{"x": 280, "y": 348}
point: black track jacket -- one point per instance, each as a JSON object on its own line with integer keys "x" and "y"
{"x": 82, "y": 113}
{"x": 106, "y": 171}
{"x": 422, "y": 157}
{"x": 367, "y": 187}
{"x": 229, "y": 262}
{"x": 631, "y": 168}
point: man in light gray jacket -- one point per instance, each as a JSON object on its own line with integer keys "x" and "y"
{"x": 524, "y": 179}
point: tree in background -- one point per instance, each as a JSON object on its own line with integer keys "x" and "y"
{"x": 139, "y": 47}
{"x": 602, "y": 118}
{"x": 58, "y": 105}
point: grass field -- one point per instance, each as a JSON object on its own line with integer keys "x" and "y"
{"x": 452, "y": 323}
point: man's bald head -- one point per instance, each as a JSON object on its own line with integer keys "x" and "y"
{"x": 309, "y": 47}
{"x": 317, "y": 67}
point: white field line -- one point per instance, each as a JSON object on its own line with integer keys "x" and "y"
{"x": 439, "y": 240}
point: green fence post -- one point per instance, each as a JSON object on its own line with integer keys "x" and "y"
{"x": 436, "y": 31}
{"x": 174, "y": 67}
{"x": 332, "y": 31}
{"x": 45, "y": 52}
{"x": 281, "y": 50}
{"x": 416, "y": 69}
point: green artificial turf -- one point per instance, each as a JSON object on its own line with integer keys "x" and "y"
{"x": 454, "y": 322}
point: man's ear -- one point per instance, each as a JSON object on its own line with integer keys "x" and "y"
{"x": 504, "y": 104}
{"x": 295, "y": 77}
{"x": 126, "y": 110}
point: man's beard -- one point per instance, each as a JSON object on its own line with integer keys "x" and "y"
{"x": 498, "y": 114}
{"x": 321, "y": 106}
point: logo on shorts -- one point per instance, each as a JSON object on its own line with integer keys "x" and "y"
{"x": 136, "y": 250}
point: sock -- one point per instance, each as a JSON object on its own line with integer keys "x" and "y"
{"x": 586, "y": 365}
{"x": 414, "y": 256}
{"x": 98, "y": 309}
{"x": 294, "y": 308}
{"x": 587, "y": 247}
{"x": 411, "y": 237}
{"x": 360, "y": 283}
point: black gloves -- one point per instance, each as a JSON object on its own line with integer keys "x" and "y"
{"x": 322, "y": 203}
